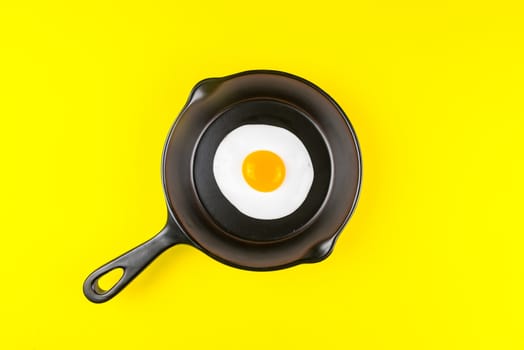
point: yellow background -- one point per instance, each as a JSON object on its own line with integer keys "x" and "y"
{"x": 432, "y": 258}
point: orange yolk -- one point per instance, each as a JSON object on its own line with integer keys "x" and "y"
{"x": 264, "y": 171}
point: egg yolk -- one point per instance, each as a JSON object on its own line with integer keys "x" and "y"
{"x": 264, "y": 171}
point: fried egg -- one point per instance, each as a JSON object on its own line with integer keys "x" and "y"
{"x": 264, "y": 171}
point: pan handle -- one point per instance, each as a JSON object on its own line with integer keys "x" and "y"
{"x": 132, "y": 263}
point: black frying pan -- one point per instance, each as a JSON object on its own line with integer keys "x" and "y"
{"x": 199, "y": 214}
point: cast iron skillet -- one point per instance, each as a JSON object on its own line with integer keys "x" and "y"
{"x": 199, "y": 215}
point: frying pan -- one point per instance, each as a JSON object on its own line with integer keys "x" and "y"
{"x": 201, "y": 216}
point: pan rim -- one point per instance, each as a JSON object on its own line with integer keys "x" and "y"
{"x": 317, "y": 250}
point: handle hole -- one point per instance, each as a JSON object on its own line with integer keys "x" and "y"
{"x": 108, "y": 280}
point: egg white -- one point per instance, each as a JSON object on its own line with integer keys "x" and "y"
{"x": 227, "y": 170}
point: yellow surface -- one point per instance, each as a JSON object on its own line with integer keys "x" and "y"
{"x": 432, "y": 258}
{"x": 264, "y": 170}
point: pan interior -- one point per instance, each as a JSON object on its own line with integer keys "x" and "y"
{"x": 226, "y": 215}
